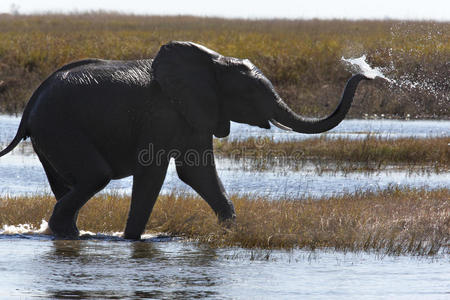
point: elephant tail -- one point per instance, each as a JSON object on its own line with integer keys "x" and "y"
{"x": 21, "y": 134}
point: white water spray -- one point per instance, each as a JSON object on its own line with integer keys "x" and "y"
{"x": 405, "y": 81}
{"x": 360, "y": 65}
{"x": 43, "y": 230}
{"x": 25, "y": 229}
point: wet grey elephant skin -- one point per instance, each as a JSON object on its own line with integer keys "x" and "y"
{"x": 96, "y": 120}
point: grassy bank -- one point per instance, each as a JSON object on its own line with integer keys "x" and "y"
{"x": 394, "y": 221}
{"x": 369, "y": 153}
{"x": 301, "y": 58}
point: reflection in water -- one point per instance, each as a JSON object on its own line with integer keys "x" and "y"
{"x": 145, "y": 250}
{"x": 112, "y": 268}
{"x": 92, "y": 268}
{"x": 66, "y": 249}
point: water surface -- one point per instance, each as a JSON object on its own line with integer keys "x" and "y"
{"x": 22, "y": 174}
{"x": 347, "y": 128}
{"x": 36, "y": 266}
{"x": 102, "y": 266}
{"x": 353, "y": 129}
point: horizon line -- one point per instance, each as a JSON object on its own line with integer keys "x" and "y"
{"x": 212, "y": 16}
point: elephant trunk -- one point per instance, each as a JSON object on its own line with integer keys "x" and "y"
{"x": 288, "y": 118}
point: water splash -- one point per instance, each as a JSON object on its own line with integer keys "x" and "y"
{"x": 422, "y": 80}
{"x": 29, "y": 231}
{"x": 360, "y": 65}
{"x": 25, "y": 229}
{"x": 424, "y": 85}
{"x": 417, "y": 61}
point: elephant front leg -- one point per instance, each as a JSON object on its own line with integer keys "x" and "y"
{"x": 204, "y": 180}
{"x": 147, "y": 184}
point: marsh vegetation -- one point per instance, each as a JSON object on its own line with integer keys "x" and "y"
{"x": 341, "y": 154}
{"x": 393, "y": 221}
{"x": 301, "y": 58}
{"x": 329, "y": 153}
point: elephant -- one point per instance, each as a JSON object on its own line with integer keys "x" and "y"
{"x": 94, "y": 120}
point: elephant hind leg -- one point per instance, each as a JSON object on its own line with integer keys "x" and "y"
{"x": 63, "y": 219}
{"x": 83, "y": 168}
{"x": 65, "y": 213}
{"x": 57, "y": 184}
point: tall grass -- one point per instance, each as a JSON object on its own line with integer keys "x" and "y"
{"x": 393, "y": 221}
{"x": 301, "y": 58}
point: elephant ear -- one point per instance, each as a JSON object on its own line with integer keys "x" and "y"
{"x": 185, "y": 72}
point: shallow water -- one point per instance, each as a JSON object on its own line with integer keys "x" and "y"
{"x": 37, "y": 266}
{"x": 347, "y": 128}
{"x": 23, "y": 174}
{"x": 353, "y": 129}
{"x": 106, "y": 266}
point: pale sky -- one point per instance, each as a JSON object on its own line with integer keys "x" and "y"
{"x": 378, "y": 9}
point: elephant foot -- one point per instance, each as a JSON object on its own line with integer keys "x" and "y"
{"x": 63, "y": 227}
{"x": 227, "y": 221}
{"x": 227, "y": 213}
{"x": 131, "y": 233}
{"x": 133, "y": 237}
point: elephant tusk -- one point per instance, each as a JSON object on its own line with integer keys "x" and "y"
{"x": 279, "y": 125}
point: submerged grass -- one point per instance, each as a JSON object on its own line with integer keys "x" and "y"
{"x": 301, "y": 57}
{"x": 369, "y": 153}
{"x": 392, "y": 221}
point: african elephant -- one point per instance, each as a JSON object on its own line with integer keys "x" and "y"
{"x": 90, "y": 121}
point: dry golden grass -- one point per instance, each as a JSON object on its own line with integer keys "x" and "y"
{"x": 301, "y": 58}
{"x": 344, "y": 154}
{"x": 393, "y": 221}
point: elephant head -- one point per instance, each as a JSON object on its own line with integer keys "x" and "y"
{"x": 210, "y": 90}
